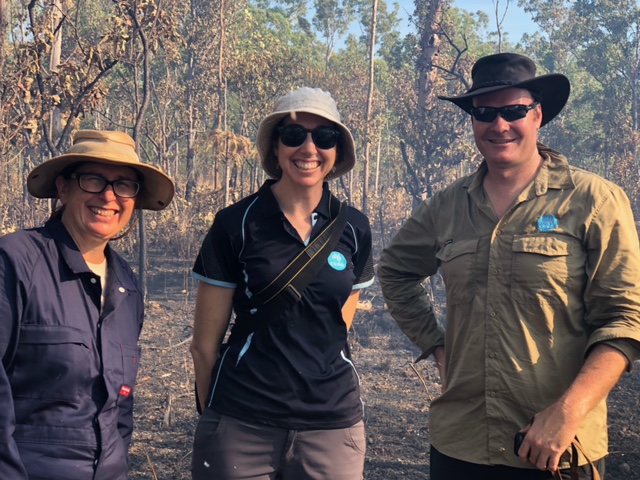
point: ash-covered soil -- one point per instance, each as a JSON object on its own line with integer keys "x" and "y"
{"x": 396, "y": 392}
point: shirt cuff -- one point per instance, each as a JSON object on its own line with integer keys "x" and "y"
{"x": 628, "y": 347}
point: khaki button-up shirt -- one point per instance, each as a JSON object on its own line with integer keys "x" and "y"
{"x": 528, "y": 294}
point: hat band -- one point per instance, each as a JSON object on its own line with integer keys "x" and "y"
{"x": 494, "y": 83}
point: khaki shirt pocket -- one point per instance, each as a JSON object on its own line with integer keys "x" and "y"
{"x": 457, "y": 261}
{"x": 540, "y": 269}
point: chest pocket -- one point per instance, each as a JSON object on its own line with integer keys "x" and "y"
{"x": 458, "y": 261}
{"x": 540, "y": 270}
{"x": 52, "y": 363}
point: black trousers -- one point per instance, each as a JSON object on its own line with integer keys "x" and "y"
{"x": 447, "y": 468}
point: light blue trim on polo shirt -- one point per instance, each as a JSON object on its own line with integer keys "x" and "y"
{"x": 355, "y": 237}
{"x": 360, "y": 286}
{"x": 247, "y": 292}
{"x": 210, "y": 281}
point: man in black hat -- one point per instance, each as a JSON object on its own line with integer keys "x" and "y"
{"x": 542, "y": 272}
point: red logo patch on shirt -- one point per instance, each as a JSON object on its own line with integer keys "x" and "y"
{"x": 125, "y": 390}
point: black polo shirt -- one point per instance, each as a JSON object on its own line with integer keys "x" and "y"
{"x": 293, "y": 371}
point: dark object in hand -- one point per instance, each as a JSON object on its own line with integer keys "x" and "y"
{"x": 517, "y": 442}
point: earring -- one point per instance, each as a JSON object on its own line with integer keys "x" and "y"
{"x": 333, "y": 170}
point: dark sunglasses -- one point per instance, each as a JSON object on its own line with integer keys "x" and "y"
{"x": 510, "y": 113}
{"x": 92, "y": 183}
{"x": 295, "y": 135}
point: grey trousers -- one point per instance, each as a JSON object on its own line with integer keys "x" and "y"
{"x": 227, "y": 448}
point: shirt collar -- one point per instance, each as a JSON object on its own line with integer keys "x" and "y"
{"x": 73, "y": 258}
{"x": 67, "y": 247}
{"x": 555, "y": 173}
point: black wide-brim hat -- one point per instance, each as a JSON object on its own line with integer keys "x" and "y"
{"x": 510, "y": 70}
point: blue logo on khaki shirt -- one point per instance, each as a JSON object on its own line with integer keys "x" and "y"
{"x": 337, "y": 261}
{"x": 547, "y": 223}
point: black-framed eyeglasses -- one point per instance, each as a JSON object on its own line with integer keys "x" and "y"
{"x": 92, "y": 183}
{"x": 510, "y": 113}
{"x": 323, "y": 137}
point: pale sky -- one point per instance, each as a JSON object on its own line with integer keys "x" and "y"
{"x": 516, "y": 22}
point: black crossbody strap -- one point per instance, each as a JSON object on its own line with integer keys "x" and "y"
{"x": 287, "y": 287}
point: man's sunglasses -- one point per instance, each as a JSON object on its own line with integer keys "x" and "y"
{"x": 295, "y": 135}
{"x": 510, "y": 113}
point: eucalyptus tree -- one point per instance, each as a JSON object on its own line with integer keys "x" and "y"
{"x": 434, "y": 137}
{"x": 52, "y": 66}
{"x": 276, "y": 52}
{"x": 332, "y": 19}
{"x": 602, "y": 37}
{"x": 72, "y": 86}
{"x": 380, "y": 25}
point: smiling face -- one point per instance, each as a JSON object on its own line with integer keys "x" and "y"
{"x": 305, "y": 165}
{"x": 93, "y": 219}
{"x": 508, "y": 144}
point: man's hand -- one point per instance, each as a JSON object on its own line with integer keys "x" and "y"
{"x": 549, "y": 436}
{"x": 554, "y": 428}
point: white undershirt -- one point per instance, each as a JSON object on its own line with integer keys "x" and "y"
{"x": 100, "y": 269}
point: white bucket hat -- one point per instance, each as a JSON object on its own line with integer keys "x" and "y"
{"x": 305, "y": 100}
{"x": 106, "y": 147}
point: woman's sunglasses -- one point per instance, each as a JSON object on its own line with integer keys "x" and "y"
{"x": 295, "y": 135}
{"x": 510, "y": 113}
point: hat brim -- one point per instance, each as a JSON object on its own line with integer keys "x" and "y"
{"x": 346, "y": 157}
{"x": 157, "y": 190}
{"x": 554, "y": 89}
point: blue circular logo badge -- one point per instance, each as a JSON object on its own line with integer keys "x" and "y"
{"x": 337, "y": 261}
{"x": 547, "y": 223}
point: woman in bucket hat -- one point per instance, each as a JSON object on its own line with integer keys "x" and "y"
{"x": 73, "y": 314}
{"x": 281, "y": 398}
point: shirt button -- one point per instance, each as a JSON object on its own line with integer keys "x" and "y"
{"x": 502, "y": 449}
{"x": 493, "y": 394}
{"x": 494, "y": 271}
{"x": 93, "y": 280}
{"x": 493, "y": 354}
{"x": 121, "y": 290}
{"x": 492, "y": 314}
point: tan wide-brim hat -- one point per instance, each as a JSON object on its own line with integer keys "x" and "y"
{"x": 305, "y": 100}
{"x": 110, "y": 148}
{"x": 511, "y": 70}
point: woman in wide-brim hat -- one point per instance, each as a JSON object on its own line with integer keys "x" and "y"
{"x": 284, "y": 385}
{"x": 108, "y": 148}
{"x": 73, "y": 315}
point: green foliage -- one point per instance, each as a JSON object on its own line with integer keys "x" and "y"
{"x": 594, "y": 42}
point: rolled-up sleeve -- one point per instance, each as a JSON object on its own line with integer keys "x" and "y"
{"x": 404, "y": 265}
{"x": 612, "y": 296}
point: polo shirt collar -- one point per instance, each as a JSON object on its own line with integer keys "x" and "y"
{"x": 270, "y": 207}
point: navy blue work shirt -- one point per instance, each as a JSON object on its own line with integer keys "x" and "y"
{"x": 67, "y": 394}
{"x": 294, "y": 371}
